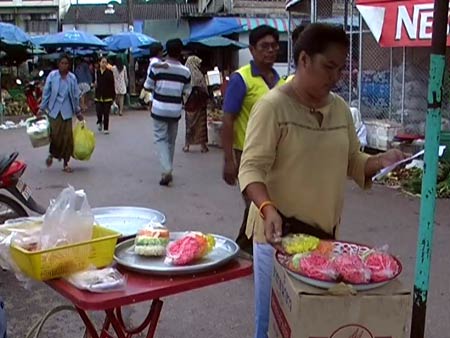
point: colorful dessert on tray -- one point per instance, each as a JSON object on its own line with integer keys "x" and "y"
{"x": 151, "y": 242}
{"x": 336, "y": 261}
{"x": 189, "y": 248}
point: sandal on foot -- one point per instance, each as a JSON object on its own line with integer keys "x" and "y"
{"x": 205, "y": 149}
{"x": 68, "y": 169}
{"x": 49, "y": 161}
{"x": 186, "y": 149}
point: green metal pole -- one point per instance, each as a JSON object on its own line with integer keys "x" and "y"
{"x": 428, "y": 199}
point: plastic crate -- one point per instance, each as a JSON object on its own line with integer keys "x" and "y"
{"x": 64, "y": 260}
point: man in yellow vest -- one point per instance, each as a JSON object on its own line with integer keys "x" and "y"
{"x": 245, "y": 87}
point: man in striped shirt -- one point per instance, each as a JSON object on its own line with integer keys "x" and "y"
{"x": 169, "y": 85}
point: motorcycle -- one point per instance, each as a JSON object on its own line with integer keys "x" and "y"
{"x": 33, "y": 93}
{"x": 11, "y": 171}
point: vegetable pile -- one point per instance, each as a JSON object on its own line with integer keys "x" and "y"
{"x": 410, "y": 180}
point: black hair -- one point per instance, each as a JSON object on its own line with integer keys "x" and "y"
{"x": 64, "y": 56}
{"x": 174, "y": 48}
{"x": 317, "y": 37}
{"x": 296, "y": 33}
{"x": 260, "y": 32}
{"x": 155, "y": 49}
{"x": 119, "y": 64}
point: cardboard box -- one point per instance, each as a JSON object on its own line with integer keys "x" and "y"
{"x": 301, "y": 311}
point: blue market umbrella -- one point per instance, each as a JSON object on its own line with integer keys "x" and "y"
{"x": 13, "y": 35}
{"x": 72, "y": 39}
{"x": 38, "y": 39}
{"x": 127, "y": 40}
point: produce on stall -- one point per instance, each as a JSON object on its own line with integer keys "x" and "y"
{"x": 409, "y": 180}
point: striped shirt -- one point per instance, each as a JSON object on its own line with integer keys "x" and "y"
{"x": 169, "y": 85}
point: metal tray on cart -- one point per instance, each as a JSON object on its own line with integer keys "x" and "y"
{"x": 127, "y": 220}
{"x": 224, "y": 251}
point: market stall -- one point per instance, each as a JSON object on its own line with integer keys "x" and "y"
{"x": 103, "y": 259}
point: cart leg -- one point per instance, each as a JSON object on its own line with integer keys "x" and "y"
{"x": 117, "y": 326}
{"x": 90, "y": 328}
{"x": 150, "y": 322}
{"x": 155, "y": 311}
{"x": 105, "y": 329}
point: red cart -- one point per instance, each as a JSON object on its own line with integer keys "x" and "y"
{"x": 142, "y": 288}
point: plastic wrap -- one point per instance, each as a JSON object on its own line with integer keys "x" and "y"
{"x": 316, "y": 266}
{"x": 83, "y": 142}
{"x": 325, "y": 248}
{"x": 190, "y": 248}
{"x": 152, "y": 240}
{"x": 352, "y": 269}
{"x": 299, "y": 243}
{"x": 381, "y": 265}
{"x": 69, "y": 219}
{"x": 99, "y": 281}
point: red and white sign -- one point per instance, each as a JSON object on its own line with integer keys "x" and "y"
{"x": 399, "y": 23}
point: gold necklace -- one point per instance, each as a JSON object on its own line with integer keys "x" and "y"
{"x": 312, "y": 110}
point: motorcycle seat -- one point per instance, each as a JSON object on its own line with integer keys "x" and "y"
{"x": 6, "y": 161}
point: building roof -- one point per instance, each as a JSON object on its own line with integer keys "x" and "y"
{"x": 95, "y": 14}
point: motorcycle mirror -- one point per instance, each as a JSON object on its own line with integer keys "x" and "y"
{"x": 19, "y": 82}
{"x": 41, "y": 73}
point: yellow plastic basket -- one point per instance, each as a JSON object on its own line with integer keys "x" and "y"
{"x": 64, "y": 260}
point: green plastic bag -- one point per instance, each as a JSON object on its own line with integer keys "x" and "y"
{"x": 83, "y": 142}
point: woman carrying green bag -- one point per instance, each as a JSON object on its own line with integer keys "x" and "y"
{"x": 61, "y": 101}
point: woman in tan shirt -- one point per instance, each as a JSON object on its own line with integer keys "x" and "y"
{"x": 300, "y": 148}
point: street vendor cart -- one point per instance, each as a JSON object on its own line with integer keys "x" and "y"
{"x": 142, "y": 288}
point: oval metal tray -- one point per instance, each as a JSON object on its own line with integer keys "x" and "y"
{"x": 340, "y": 247}
{"x": 127, "y": 220}
{"x": 224, "y": 251}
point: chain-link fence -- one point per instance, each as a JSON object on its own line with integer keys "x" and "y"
{"x": 388, "y": 84}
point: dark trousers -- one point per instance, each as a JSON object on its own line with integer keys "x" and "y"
{"x": 103, "y": 110}
{"x": 245, "y": 243}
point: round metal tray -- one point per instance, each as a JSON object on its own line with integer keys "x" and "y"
{"x": 224, "y": 251}
{"x": 340, "y": 247}
{"x": 127, "y": 220}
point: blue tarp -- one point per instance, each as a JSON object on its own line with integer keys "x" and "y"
{"x": 213, "y": 27}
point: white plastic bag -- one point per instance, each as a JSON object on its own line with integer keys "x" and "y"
{"x": 99, "y": 281}
{"x": 69, "y": 219}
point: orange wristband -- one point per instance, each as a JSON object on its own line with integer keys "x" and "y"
{"x": 263, "y": 205}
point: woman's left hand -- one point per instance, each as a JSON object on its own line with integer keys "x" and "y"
{"x": 80, "y": 117}
{"x": 390, "y": 157}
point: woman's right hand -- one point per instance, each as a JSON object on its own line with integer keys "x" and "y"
{"x": 230, "y": 172}
{"x": 273, "y": 226}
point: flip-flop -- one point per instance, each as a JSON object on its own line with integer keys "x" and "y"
{"x": 205, "y": 150}
{"x": 68, "y": 169}
{"x": 186, "y": 149}
{"x": 49, "y": 161}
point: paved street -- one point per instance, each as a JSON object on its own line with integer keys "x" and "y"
{"x": 124, "y": 170}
